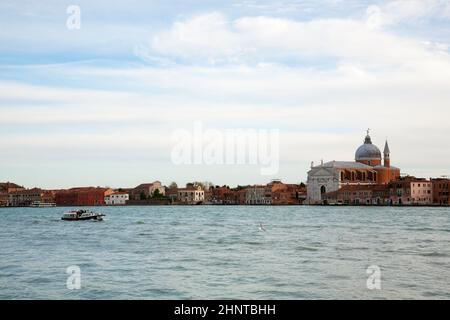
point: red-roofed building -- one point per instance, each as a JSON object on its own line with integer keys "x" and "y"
{"x": 88, "y": 196}
{"x": 441, "y": 191}
{"x": 5, "y": 189}
{"x": 25, "y": 198}
{"x": 146, "y": 190}
{"x": 359, "y": 195}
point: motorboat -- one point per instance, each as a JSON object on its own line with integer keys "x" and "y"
{"x": 76, "y": 215}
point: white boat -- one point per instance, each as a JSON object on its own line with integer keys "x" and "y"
{"x": 38, "y": 204}
{"x": 76, "y": 215}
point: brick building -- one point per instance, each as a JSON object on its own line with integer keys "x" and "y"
{"x": 411, "y": 191}
{"x": 359, "y": 195}
{"x": 403, "y": 191}
{"x": 441, "y": 191}
{"x": 286, "y": 194}
{"x": 5, "y": 189}
{"x": 146, "y": 190}
{"x": 88, "y": 196}
{"x": 24, "y": 198}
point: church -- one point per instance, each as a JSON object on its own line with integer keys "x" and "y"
{"x": 367, "y": 169}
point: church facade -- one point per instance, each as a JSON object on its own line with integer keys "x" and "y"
{"x": 367, "y": 169}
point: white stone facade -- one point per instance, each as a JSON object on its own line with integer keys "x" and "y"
{"x": 332, "y": 175}
{"x": 321, "y": 180}
{"x": 117, "y": 199}
{"x": 191, "y": 195}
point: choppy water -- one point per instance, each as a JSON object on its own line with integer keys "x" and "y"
{"x": 218, "y": 252}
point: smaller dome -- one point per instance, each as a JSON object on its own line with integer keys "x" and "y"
{"x": 368, "y": 151}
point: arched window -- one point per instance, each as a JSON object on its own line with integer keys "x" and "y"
{"x": 323, "y": 190}
{"x": 359, "y": 175}
{"x": 342, "y": 175}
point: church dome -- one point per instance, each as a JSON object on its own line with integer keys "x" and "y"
{"x": 368, "y": 151}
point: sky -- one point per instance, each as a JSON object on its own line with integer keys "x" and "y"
{"x": 98, "y": 105}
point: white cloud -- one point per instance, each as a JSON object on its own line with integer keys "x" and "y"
{"x": 205, "y": 35}
{"x": 394, "y": 12}
{"x": 212, "y": 38}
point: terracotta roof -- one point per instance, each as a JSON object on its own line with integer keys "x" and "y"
{"x": 8, "y": 185}
{"x": 29, "y": 191}
{"x": 344, "y": 165}
{"x": 83, "y": 189}
{"x": 147, "y": 185}
{"x": 189, "y": 189}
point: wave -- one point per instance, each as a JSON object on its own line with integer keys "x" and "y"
{"x": 425, "y": 229}
{"x": 303, "y": 248}
{"x": 435, "y": 254}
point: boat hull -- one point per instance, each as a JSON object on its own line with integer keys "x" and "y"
{"x": 82, "y": 215}
{"x": 83, "y": 218}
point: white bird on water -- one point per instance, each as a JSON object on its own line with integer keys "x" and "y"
{"x": 261, "y": 228}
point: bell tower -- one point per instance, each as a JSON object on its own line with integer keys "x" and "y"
{"x": 387, "y": 152}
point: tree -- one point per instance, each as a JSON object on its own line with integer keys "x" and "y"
{"x": 189, "y": 185}
{"x": 142, "y": 196}
{"x": 204, "y": 185}
{"x": 173, "y": 185}
{"x": 157, "y": 194}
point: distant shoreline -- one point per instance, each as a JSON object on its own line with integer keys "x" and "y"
{"x": 237, "y": 205}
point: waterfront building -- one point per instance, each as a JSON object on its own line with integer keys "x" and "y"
{"x": 235, "y": 196}
{"x": 220, "y": 195}
{"x": 363, "y": 194}
{"x": 4, "y": 199}
{"x": 85, "y": 196}
{"x": 146, "y": 190}
{"x": 411, "y": 191}
{"x": 422, "y": 192}
{"x": 241, "y": 195}
{"x": 441, "y": 191}
{"x": 285, "y": 194}
{"x": 258, "y": 194}
{"x": 402, "y": 191}
{"x": 5, "y": 189}
{"x": 24, "y": 198}
{"x": 191, "y": 195}
{"x": 367, "y": 169}
{"x": 117, "y": 199}
{"x": 171, "y": 194}
{"x": 8, "y": 187}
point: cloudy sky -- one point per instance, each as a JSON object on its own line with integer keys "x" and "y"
{"x": 99, "y": 105}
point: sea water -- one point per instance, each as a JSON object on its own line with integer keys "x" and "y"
{"x": 221, "y": 252}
